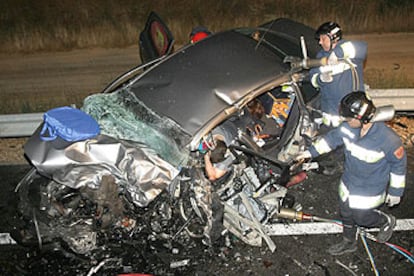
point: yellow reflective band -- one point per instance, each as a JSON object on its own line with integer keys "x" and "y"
{"x": 369, "y": 156}
{"x": 329, "y": 119}
{"x": 347, "y": 132}
{"x": 366, "y": 202}
{"x": 349, "y": 50}
{"x": 343, "y": 192}
{"x": 315, "y": 80}
{"x": 287, "y": 88}
{"x": 397, "y": 181}
{"x": 360, "y": 202}
{"x": 322, "y": 146}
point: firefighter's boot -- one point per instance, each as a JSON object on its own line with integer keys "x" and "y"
{"x": 387, "y": 228}
{"x": 343, "y": 247}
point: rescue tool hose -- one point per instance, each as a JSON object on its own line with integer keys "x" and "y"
{"x": 402, "y": 251}
{"x": 395, "y": 247}
{"x": 294, "y": 215}
{"x": 371, "y": 258}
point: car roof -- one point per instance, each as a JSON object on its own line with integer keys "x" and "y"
{"x": 186, "y": 85}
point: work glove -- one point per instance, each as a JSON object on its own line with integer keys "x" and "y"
{"x": 332, "y": 59}
{"x": 326, "y": 77}
{"x": 391, "y": 200}
{"x": 303, "y": 155}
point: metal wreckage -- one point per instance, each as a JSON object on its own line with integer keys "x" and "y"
{"x": 81, "y": 192}
{"x": 140, "y": 180}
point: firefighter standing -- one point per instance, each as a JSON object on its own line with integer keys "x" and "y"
{"x": 374, "y": 170}
{"x": 343, "y": 72}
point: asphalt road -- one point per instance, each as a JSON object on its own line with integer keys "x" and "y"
{"x": 294, "y": 255}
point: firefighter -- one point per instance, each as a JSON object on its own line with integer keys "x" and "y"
{"x": 342, "y": 74}
{"x": 374, "y": 170}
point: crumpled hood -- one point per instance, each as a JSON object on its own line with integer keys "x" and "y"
{"x": 138, "y": 170}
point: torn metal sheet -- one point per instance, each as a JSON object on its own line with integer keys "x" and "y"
{"x": 249, "y": 207}
{"x": 136, "y": 168}
{"x": 258, "y": 225}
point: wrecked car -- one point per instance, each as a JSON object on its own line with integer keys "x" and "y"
{"x": 143, "y": 175}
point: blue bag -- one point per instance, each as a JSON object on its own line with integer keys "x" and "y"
{"x": 68, "y": 123}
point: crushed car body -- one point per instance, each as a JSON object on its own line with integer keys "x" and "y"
{"x": 144, "y": 173}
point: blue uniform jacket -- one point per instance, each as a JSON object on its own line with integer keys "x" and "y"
{"x": 370, "y": 161}
{"x": 344, "y": 78}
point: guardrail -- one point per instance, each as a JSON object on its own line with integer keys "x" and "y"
{"x": 19, "y": 125}
{"x": 23, "y": 125}
{"x": 402, "y": 99}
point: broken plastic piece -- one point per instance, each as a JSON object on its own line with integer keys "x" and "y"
{"x": 5, "y": 238}
{"x": 296, "y": 179}
{"x": 179, "y": 263}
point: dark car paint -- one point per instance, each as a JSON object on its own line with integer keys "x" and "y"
{"x": 184, "y": 85}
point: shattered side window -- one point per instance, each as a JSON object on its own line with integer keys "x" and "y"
{"x": 123, "y": 116}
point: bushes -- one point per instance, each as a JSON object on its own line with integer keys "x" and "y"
{"x": 44, "y": 25}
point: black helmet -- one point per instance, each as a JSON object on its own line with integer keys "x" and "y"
{"x": 357, "y": 105}
{"x": 331, "y": 29}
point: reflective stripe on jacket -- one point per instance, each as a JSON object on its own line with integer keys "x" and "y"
{"x": 331, "y": 120}
{"x": 347, "y": 74}
{"x": 371, "y": 162}
{"x": 358, "y": 201}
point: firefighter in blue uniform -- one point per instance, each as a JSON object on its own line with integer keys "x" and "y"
{"x": 374, "y": 170}
{"x": 343, "y": 72}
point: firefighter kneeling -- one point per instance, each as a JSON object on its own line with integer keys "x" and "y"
{"x": 374, "y": 169}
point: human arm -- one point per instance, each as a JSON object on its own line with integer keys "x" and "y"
{"x": 213, "y": 173}
{"x": 397, "y": 160}
{"x": 345, "y": 55}
{"x": 351, "y": 50}
{"x": 326, "y": 143}
{"x": 316, "y": 75}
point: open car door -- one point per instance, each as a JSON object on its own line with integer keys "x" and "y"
{"x": 155, "y": 40}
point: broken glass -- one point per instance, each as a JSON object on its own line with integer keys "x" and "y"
{"x": 121, "y": 115}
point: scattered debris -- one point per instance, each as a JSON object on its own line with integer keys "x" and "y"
{"x": 5, "y": 238}
{"x": 404, "y": 127}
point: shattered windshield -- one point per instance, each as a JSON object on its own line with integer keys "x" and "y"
{"x": 123, "y": 116}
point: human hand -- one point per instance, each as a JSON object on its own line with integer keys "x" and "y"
{"x": 326, "y": 77}
{"x": 303, "y": 155}
{"x": 332, "y": 59}
{"x": 391, "y": 200}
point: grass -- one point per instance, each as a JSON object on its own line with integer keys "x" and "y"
{"x": 45, "y": 25}
{"x": 387, "y": 79}
{"x": 15, "y": 104}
